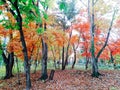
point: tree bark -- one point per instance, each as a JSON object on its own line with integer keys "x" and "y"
{"x": 74, "y": 57}
{"x": 18, "y": 18}
{"x": 66, "y": 57}
{"x": 18, "y": 71}
{"x": 22, "y": 38}
{"x": 95, "y": 72}
{"x": 54, "y": 58}
{"x": 35, "y": 63}
{"x": 36, "y": 60}
{"x": 44, "y": 74}
{"x": 63, "y": 58}
{"x": 86, "y": 64}
{"x": 112, "y": 60}
{"x": 55, "y": 64}
{"x": 9, "y": 62}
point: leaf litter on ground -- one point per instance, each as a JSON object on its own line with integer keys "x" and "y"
{"x": 67, "y": 80}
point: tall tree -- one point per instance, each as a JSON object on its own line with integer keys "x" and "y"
{"x": 17, "y": 9}
{"x": 8, "y": 57}
{"x": 43, "y": 25}
{"x": 94, "y": 58}
{"x": 68, "y": 11}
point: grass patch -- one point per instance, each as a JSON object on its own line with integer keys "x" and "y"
{"x": 113, "y": 88}
{"x": 50, "y": 65}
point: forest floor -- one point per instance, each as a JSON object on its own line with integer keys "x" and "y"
{"x": 67, "y": 80}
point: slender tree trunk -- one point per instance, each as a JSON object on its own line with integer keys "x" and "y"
{"x": 95, "y": 72}
{"x": 74, "y": 57}
{"x": 74, "y": 60}
{"x": 11, "y": 58}
{"x": 86, "y": 64}
{"x": 11, "y": 63}
{"x": 54, "y": 58}
{"x": 58, "y": 62}
{"x": 35, "y": 66}
{"x": 18, "y": 71}
{"x": 55, "y": 64}
{"x": 26, "y": 60}
{"x": 44, "y": 74}
{"x": 36, "y": 60}
{"x": 112, "y": 59}
{"x": 63, "y": 58}
{"x": 66, "y": 57}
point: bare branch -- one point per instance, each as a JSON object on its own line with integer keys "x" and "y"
{"x": 83, "y": 3}
{"x": 96, "y": 2}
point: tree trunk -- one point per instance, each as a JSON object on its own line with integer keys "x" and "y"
{"x": 63, "y": 58}
{"x": 16, "y": 13}
{"x": 35, "y": 66}
{"x": 54, "y": 58}
{"x": 26, "y": 60}
{"x": 95, "y": 72}
{"x": 86, "y": 64}
{"x": 55, "y": 64}
{"x": 9, "y": 62}
{"x": 74, "y": 57}
{"x": 58, "y": 62}
{"x": 44, "y": 74}
{"x": 66, "y": 57}
{"x": 36, "y": 60}
{"x": 18, "y": 71}
{"x": 112, "y": 60}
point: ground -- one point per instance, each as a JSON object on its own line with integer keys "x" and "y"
{"x": 67, "y": 80}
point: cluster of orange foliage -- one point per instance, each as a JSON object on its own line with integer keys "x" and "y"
{"x": 56, "y": 39}
{"x": 84, "y": 31}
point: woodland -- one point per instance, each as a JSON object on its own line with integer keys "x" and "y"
{"x": 59, "y": 45}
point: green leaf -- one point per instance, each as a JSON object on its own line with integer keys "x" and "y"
{"x": 40, "y": 30}
{"x": 38, "y": 20}
{"x": 26, "y": 9}
{"x": 1, "y": 51}
{"x": 45, "y": 15}
{"x": 0, "y": 12}
{"x": 13, "y": 1}
{"x": 30, "y": 2}
{"x": 43, "y": 3}
{"x": 24, "y": 1}
{"x": 4, "y": 45}
{"x": 1, "y": 2}
{"x": 63, "y": 6}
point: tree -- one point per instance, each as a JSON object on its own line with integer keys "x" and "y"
{"x": 84, "y": 38}
{"x": 94, "y": 27}
{"x": 17, "y": 9}
{"x": 69, "y": 12}
{"x": 8, "y": 59}
{"x": 43, "y": 26}
{"x": 94, "y": 58}
{"x": 75, "y": 40}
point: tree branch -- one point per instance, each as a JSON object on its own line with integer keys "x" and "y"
{"x": 96, "y": 2}
{"x": 108, "y": 34}
{"x": 83, "y": 3}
